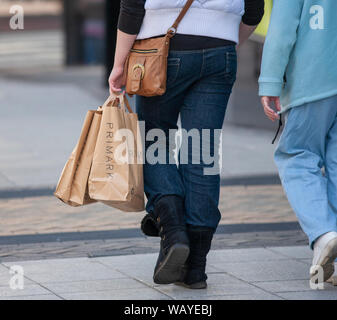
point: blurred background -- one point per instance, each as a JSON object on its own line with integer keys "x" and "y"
{"x": 61, "y": 33}
{"x": 55, "y": 69}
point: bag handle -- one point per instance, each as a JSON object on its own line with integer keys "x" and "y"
{"x": 124, "y": 102}
{"x": 113, "y": 98}
{"x": 173, "y": 30}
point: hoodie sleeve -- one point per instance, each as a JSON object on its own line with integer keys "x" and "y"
{"x": 131, "y": 16}
{"x": 281, "y": 38}
{"x": 254, "y": 10}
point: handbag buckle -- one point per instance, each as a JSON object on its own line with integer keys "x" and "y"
{"x": 141, "y": 67}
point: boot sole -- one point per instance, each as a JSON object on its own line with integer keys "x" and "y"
{"x": 194, "y": 286}
{"x": 170, "y": 269}
{"x": 326, "y": 261}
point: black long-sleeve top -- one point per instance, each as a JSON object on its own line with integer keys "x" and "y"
{"x": 132, "y": 14}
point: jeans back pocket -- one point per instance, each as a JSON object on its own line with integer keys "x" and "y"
{"x": 173, "y": 66}
{"x": 231, "y": 66}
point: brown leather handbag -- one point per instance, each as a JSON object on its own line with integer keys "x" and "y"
{"x": 146, "y": 65}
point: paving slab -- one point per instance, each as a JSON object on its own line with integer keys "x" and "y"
{"x": 5, "y": 277}
{"x": 124, "y": 294}
{"x": 284, "y": 286}
{"x": 120, "y": 261}
{"x": 139, "y": 267}
{"x": 28, "y": 290}
{"x": 81, "y": 269}
{"x": 218, "y": 285}
{"x": 294, "y": 252}
{"x": 306, "y": 261}
{"x": 265, "y": 270}
{"x": 37, "y": 297}
{"x": 259, "y": 296}
{"x": 4, "y": 272}
{"x": 310, "y": 295}
{"x": 243, "y": 255}
{"x": 93, "y": 286}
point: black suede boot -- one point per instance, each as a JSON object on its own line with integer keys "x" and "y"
{"x": 193, "y": 274}
{"x": 174, "y": 245}
{"x": 149, "y": 225}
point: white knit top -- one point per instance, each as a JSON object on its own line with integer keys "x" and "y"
{"x": 212, "y": 18}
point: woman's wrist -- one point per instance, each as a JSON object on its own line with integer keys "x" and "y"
{"x": 124, "y": 44}
{"x": 118, "y": 66}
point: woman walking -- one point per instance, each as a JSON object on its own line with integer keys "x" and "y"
{"x": 182, "y": 200}
{"x": 299, "y": 72}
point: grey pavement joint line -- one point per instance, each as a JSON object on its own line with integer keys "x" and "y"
{"x": 37, "y": 283}
{"x": 222, "y": 272}
{"x": 285, "y": 255}
{"x": 138, "y": 280}
{"x": 247, "y": 282}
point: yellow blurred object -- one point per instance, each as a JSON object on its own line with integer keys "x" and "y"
{"x": 262, "y": 28}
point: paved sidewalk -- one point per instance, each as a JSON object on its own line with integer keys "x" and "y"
{"x": 272, "y": 273}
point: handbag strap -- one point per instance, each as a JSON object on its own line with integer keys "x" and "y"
{"x": 173, "y": 30}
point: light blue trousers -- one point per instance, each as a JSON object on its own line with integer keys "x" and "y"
{"x": 309, "y": 144}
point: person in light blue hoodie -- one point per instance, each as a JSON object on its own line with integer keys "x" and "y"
{"x": 299, "y": 79}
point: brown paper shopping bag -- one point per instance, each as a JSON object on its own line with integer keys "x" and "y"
{"x": 116, "y": 176}
{"x": 72, "y": 187}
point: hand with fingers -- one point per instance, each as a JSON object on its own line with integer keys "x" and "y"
{"x": 269, "y": 109}
{"x": 117, "y": 80}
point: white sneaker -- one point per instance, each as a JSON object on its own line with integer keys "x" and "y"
{"x": 325, "y": 254}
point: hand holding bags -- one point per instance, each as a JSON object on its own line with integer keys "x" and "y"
{"x": 106, "y": 165}
{"x": 116, "y": 176}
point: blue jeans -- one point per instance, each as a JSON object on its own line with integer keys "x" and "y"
{"x": 199, "y": 83}
{"x": 309, "y": 143}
